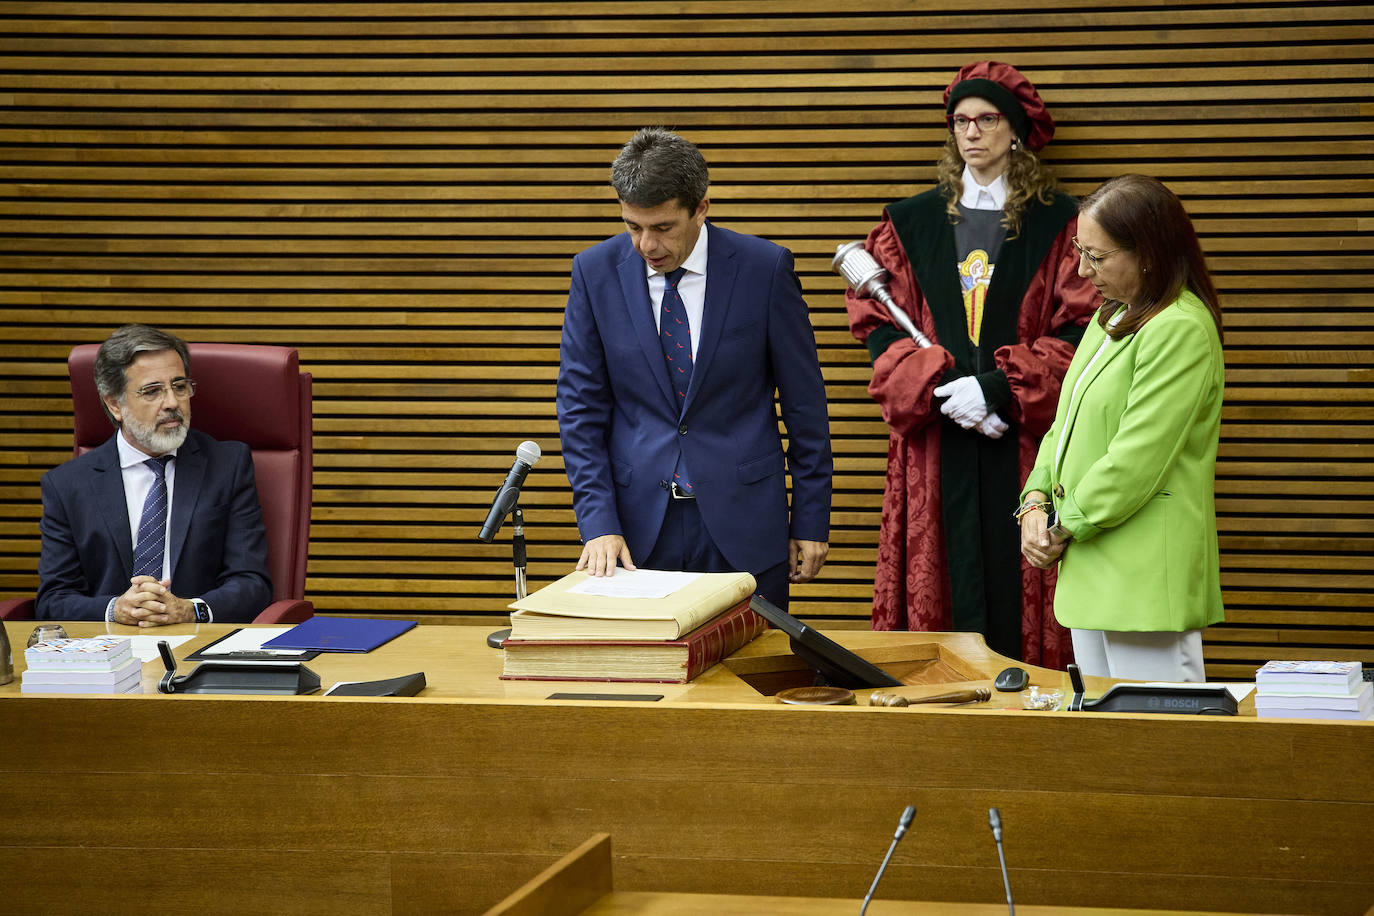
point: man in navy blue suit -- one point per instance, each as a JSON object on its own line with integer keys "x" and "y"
{"x": 676, "y": 336}
{"x": 161, "y": 524}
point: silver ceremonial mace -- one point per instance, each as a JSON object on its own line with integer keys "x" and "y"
{"x": 868, "y": 279}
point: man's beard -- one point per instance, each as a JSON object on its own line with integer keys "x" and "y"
{"x": 153, "y": 440}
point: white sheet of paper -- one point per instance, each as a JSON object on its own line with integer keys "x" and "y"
{"x": 145, "y": 647}
{"x": 250, "y": 639}
{"x": 1239, "y": 690}
{"x": 635, "y": 583}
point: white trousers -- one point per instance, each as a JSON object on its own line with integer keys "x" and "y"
{"x": 1149, "y": 656}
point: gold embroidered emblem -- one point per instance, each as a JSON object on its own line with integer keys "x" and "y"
{"x": 975, "y": 273}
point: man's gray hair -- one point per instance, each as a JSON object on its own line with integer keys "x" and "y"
{"x": 657, "y": 166}
{"x": 119, "y": 351}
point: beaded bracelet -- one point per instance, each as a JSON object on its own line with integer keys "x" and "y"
{"x": 1043, "y": 506}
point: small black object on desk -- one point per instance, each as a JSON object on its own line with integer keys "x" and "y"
{"x": 1012, "y": 680}
{"x": 407, "y": 685}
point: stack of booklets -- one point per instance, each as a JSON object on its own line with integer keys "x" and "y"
{"x": 559, "y": 633}
{"x": 100, "y": 664}
{"x": 1313, "y": 690}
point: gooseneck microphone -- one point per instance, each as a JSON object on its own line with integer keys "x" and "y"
{"x": 995, "y": 822}
{"x": 526, "y": 454}
{"x": 907, "y": 816}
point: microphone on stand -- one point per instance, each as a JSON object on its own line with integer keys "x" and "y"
{"x": 995, "y": 822}
{"x": 526, "y": 455}
{"x": 907, "y": 816}
{"x": 506, "y": 502}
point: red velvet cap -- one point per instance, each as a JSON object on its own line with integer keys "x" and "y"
{"x": 1014, "y": 95}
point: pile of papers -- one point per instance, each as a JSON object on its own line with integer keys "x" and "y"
{"x": 100, "y": 664}
{"x": 1313, "y": 690}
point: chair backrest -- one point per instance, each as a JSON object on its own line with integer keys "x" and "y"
{"x": 247, "y": 393}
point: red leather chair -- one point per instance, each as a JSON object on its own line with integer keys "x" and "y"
{"x": 247, "y": 393}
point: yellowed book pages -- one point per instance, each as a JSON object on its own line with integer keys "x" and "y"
{"x": 554, "y": 612}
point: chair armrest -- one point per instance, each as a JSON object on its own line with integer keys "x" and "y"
{"x": 16, "y": 609}
{"x": 290, "y": 610}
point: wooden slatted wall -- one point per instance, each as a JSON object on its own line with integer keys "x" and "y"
{"x": 397, "y": 190}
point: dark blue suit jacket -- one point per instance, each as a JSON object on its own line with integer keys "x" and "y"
{"x": 218, "y": 542}
{"x": 619, "y": 420}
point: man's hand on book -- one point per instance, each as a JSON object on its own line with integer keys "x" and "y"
{"x": 599, "y": 555}
{"x": 805, "y": 559}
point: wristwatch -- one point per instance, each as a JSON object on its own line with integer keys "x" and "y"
{"x": 202, "y": 610}
{"x": 1053, "y": 527}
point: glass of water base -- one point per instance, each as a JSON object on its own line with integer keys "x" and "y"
{"x": 47, "y": 632}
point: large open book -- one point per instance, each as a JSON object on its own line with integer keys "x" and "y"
{"x": 558, "y": 611}
{"x": 673, "y": 661}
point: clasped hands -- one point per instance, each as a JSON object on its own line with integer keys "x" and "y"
{"x": 967, "y": 407}
{"x": 150, "y": 603}
{"x": 1040, "y": 548}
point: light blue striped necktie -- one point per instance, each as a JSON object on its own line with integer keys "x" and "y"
{"x": 152, "y": 524}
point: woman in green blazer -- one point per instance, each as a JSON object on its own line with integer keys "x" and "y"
{"x": 1121, "y": 495}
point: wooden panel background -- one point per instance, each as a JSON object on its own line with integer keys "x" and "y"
{"x": 397, "y": 189}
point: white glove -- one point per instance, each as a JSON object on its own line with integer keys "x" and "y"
{"x": 966, "y": 405}
{"x": 993, "y": 426}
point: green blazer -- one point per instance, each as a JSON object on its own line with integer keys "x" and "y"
{"x": 1129, "y": 464}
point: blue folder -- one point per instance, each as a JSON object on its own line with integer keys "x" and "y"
{"x": 339, "y": 634}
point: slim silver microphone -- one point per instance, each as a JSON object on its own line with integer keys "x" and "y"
{"x": 995, "y": 822}
{"x": 907, "y": 817}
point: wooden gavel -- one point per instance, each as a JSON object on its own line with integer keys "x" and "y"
{"x": 971, "y": 695}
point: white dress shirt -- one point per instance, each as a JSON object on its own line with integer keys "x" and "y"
{"x": 977, "y": 197}
{"x": 692, "y": 289}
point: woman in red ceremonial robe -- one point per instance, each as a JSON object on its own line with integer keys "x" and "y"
{"x": 984, "y": 266}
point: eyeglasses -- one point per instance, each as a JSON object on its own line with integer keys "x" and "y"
{"x": 182, "y": 389}
{"x": 1094, "y": 260}
{"x": 985, "y": 122}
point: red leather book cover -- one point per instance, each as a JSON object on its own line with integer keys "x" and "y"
{"x": 674, "y": 661}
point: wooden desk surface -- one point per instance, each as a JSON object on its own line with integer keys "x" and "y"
{"x": 459, "y": 665}
{"x": 448, "y": 801}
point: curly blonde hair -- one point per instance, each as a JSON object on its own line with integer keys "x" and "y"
{"x": 1027, "y": 179}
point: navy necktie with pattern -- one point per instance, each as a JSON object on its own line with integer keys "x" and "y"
{"x": 675, "y": 335}
{"x": 152, "y": 524}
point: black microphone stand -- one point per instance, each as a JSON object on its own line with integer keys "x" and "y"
{"x": 517, "y": 544}
{"x": 517, "y": 520}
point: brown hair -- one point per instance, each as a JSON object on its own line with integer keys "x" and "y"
{"x": 1027, "y": 179}
{"x": 1140, "y": 214}
{"x": 118, "y": 353}
{"x": 656, "y": 166}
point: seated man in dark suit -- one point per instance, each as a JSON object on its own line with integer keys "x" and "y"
{"x": 162, "y": 523}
